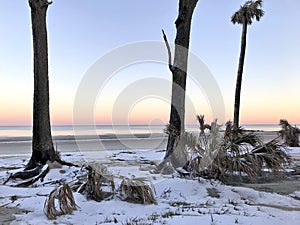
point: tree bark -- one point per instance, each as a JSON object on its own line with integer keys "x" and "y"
{"x": 42, "y": 145}
{"x": 179, "y": 70}
{"x": 239, "y": 79}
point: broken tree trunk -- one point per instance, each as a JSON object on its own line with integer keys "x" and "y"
{"x": 179, "y": 69}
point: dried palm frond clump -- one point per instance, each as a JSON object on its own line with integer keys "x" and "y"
{"x": 61, "y": 197}
{"x": 271, "y": 155}
{"x": 100, "y": 185}
{"x": 245, "y": 153}
{"x": 204, "y": 150}
{"x": 217, "y": 155}
{"x": 135, "y": 190}
{"x": 289, "y": 133}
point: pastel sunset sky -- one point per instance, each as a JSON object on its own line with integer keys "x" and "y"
{"x": 81, "y": 32}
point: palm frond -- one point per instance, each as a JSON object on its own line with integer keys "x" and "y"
{"x": 66, "y": 202}
{"x": 289, "y": 133}
{"x": 272, "y": 155}
{"x": 100, "y": 185}
{"x": 135, "y": 190}
{"x": 200, "y": 119}
{"x": 171, "y": 130}
{"x": 219, "y": 155}
{"x": 202, "y": 124}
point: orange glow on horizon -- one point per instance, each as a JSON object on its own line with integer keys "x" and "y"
{"x": 150, "y": 111}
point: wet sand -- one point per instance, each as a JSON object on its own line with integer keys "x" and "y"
{"x": 22, "y": 145}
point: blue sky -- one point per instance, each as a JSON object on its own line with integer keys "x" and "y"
{"x": 81, "y": 32}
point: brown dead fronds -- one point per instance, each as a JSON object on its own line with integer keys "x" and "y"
{"x": 100, "y": 185}
{"x": 219, "y": 155}
{"x": 135, "y": 190}
{"x": 271, "y": 155}
{"x": 244, "y": 153}
{"x": 61, "y": 197}
{"x": 202, "y": 124}
{"x": 289, "y": 133}
{"x": 171, "y": 130}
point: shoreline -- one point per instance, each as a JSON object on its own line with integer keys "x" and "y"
{"x": 85, "y": 143}
{"x": 111, "y": 136}
{"x": 103, "y": 142}
{"x": 71, "y": 143}
{"x": 83, "y": 137}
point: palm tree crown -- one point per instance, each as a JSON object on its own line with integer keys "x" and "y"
{"x": 247, "y": 12}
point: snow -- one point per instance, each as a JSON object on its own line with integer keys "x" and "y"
{"x": 179, "y": 201}
{"x": 293, "y": 150}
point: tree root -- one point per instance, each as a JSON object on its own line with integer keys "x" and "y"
{"x": 41, "y": 176}
{"x": 26, "y": 174}
{"x": 62, "y": 162}
{"x": 38, "y": 172}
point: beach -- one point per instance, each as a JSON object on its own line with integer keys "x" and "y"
{"x": 70, "y": 143}
{"x": 179, "y": 201}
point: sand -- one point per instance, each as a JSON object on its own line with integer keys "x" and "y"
{"x": 14, "y": 146}
{"x": 22, "y": 145}
{"x": 7, "y": 214}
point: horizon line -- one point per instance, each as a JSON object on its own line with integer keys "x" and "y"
{"x": 195, "y": 124}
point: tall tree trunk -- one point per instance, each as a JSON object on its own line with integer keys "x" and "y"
{"x": 42, "y": 146}
{"x": 239, "y": 79}
{"x": 179, "y": 69}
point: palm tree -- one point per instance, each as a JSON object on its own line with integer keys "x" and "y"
{"x": 247, "y": 12}
{"x": 178, "y": 70}
{"x": 42, "y": 145}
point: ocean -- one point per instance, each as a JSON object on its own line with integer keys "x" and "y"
{"x": 66, "y": 130}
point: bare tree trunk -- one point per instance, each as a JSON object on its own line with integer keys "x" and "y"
{"x": 239, "y": 79}
{"x": 42, "y": 146}
{"x": 179, "y": 70}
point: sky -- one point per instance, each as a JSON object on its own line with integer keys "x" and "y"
{"x": 79, "y": 34}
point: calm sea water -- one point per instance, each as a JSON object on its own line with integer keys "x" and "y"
{"x": 23, "y": 131}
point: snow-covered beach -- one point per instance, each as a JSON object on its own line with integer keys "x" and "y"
{"x": 179, "y": 200}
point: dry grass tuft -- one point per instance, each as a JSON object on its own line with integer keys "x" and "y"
{"x": 66, "y": 202}
{"x": 135, "y": 190}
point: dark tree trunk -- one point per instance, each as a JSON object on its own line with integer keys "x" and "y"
{"x": 179, "y": 69}
{"x": 42, "y": 146}
{"x": 239, "y": 79}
